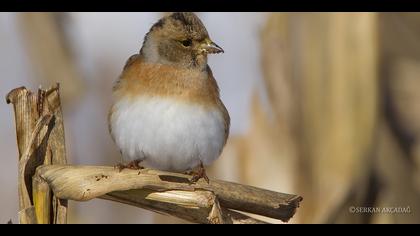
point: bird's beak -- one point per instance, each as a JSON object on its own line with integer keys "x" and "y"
{"x": 210, "y": 47}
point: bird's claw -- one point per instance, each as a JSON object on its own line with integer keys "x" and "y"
{"x": 134, "y": 165}
{"x": 197, "y": 175}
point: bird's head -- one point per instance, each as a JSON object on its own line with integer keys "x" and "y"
{"x": 179, "y": 39}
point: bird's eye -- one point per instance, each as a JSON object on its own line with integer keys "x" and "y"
{"x": 186, "y": 43}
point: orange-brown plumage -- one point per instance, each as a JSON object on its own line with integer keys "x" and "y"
{"x": 140, "y": 77}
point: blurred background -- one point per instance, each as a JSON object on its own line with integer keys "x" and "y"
{"x": 324, "y": 105}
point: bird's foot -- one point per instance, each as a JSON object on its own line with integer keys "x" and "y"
{"x": 198, "y": 174}
{"x": 134, "y": 165}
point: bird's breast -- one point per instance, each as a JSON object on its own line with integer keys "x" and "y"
{"x": 168, "y": 133}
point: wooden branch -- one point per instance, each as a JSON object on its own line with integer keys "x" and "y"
{"x": 167, "y": 192}
{"x": 58, "y": 149}
{"x": 194, "y": 206}
{"x": 26, "y": 119}
{"x": 40, "y": 137}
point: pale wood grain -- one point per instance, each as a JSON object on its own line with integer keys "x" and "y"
{"x": 82, "y": 183}
{"x": 40, "y": 138}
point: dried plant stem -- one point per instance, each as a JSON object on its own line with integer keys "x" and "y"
{"x": 157, "y": 190}
{"x": 40, "y": 138}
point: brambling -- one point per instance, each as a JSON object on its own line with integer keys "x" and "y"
{"x": 167, "y": 113}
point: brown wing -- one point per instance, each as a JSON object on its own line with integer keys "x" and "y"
{"x": 109, "y": 122}
{"x": 130, "y": 61}
{"x": 127, "y": 64}
{"x": 221, "y": 106}
{"x": 226, "y": 118}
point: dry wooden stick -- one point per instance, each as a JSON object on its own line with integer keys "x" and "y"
{"x": 57, "y": 147}
{"x": 194, "y": 206}
{"x": 26, "y": 115}
{"x": 40, "y": 136}
{"x": 83, "y": 183}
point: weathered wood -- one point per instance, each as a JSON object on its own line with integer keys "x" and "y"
{"x": 83, "y": 183}
{"x": 195, "y": 206}
{"x": 40, "y": 137}
{"x": 27, "y": 216}
{"x": 26, "y": 194}
{"x": 58, "y": 149}
{"x": 24, "y": 104}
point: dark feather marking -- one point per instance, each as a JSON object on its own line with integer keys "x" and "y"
{"x": 159, "y": 24}
{"x": 181, "y": 17}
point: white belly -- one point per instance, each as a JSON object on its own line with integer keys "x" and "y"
{"x": 167, "y": 134}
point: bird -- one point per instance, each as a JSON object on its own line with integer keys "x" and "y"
{"x": 167, "y": 113}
